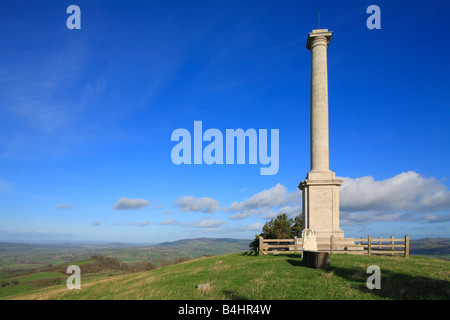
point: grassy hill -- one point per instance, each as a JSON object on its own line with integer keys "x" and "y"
{"x": 272, "y": 277}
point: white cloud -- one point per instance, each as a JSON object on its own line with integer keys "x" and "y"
{"x": 257, "y": 226}
{"x": 205, "y": 223}
{"x": 208, "y": 223}
{"x": 140, "y": 224}
{"x": 291, "y": 210}
{"x": 247, "y": 213}
{"x": 126, "y": 204}
{"x": 268, "y": 204}
{"x": 192, "y": 204}
{"x": 168, "y": 222}
{"x": 406, "y": 196}
{"x": 433, "y": 218}
{"x": 366, "y": 217}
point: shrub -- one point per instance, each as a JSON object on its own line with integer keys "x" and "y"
{"x": 279, "y": 228}
{"x": 143, "y": 266}
{"x": 45, "y": 283}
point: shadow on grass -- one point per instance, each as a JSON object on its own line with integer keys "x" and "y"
{"x": 250, "y": 254}
{"x": 394, "y": 285}
{"x": 295, "y": 263}
{"x": 281, "y": 254}
{"x": 290, "y": 255}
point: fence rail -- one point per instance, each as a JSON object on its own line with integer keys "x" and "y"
{"x": 266, "y": 245}
{"x": 373, "y": 246}
{"x": 370, "y": 246}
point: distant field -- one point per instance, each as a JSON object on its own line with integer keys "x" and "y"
{"x": 25, "y": 282}
{"x": 17, "y": 256}
{"x": 38, "y": 276}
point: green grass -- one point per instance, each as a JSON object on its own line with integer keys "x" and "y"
{"x": 26, "y": 282}
{"x": 38, "y": 276}
{"x": 271, "y": 277}
{"x": 22, "y": 288}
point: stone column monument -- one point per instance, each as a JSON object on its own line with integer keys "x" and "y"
{"x": 320, "y": 189}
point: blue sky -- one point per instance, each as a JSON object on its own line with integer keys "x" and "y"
{"x": 86, "y": 116}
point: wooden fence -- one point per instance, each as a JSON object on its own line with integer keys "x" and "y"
{"x": 266, "y": 246}
{"x": 373, "y": 246}
{"x": 369, "y": 246}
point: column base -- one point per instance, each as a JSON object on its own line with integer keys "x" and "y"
{"x": 320, "y": 206}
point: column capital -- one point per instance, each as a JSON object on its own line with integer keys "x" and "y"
{"x": 318, "y": 36}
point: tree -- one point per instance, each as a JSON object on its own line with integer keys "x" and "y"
{"x": 181, "y": 259}
{"x": 296, "y": 226}
{"x": 143, "y": 266}
{"x": 279, "y": 228}
{"x": 254, "y": 245}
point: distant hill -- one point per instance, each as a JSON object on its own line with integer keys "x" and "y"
{"x": 207, "y": 242}
{"x": 198, "y": 247}
{"x": 436, "y": 247}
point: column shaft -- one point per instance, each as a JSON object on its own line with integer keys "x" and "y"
{"x": 319, "y": 105}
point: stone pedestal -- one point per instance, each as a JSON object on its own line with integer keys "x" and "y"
{"x": 320, "y": 207}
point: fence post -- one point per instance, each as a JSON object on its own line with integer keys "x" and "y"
{"x": 379, "y": 242}
{"x": 392, "y": 246}
{"x": 295, "y": 244}
{"x": 406, "y": 246}
{"x": 331, "y": 244}
{"x": 261, "y": 243}
{"x": 369, "y": 243}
